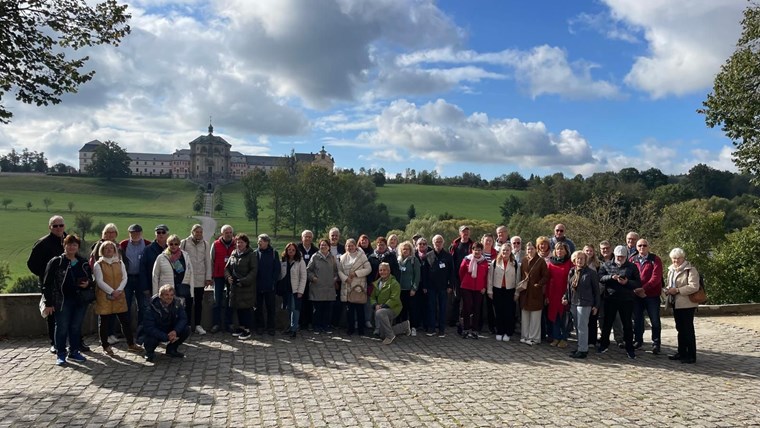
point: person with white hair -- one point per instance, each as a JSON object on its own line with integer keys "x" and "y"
{"x": 619, "y": 277}
{"x": 165, "y": 321}
{"x": 683, "y": 280}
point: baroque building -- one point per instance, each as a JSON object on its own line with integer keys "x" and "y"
{"x": 208, "y": 160}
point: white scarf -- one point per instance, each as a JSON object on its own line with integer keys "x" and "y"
{"x": 473, "y": 268}
{"x": 109, "y": 260}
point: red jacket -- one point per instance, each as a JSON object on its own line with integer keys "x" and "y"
{"x": 219, "y": 255}
{"x": 556, "y": 288}
{"x": 651, "y": 273}
{"x": 467, "y": 281}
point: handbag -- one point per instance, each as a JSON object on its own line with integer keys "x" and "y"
{"x": 85, "y": 296}
{"x": 43, "y": 307}
{"x": 357, "y": 295}
{"x": 699, "y": 297}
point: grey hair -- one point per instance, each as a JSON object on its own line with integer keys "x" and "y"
{"x": 677, "y": 253}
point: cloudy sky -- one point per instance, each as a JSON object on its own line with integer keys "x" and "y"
{"x": 488, "y": 87}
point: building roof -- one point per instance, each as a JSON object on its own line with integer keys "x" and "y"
{"x": 90, "y": 146}
{"x": 150, "y": 157}
{"x": 210, "y": 139}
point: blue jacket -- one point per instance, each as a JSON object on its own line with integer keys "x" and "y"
{"x": 269, "y": 270}
{"x": 159, "y": 321}
{"x": 148, "y": 259}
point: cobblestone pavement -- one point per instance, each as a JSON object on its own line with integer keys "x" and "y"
{"x": 416, "y": 381}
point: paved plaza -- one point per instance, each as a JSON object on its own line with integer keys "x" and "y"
{"x": 416, "y": 381}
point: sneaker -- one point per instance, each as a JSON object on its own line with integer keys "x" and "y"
{"x": 246, "y": 334}
{"x": 430, "y": 334}
{"x": 293, "y": 334}
{"x": 238, "y": 332}
{"x": 388, "y": 340}
{"x": 108, "y": 351}
{"x": 530, "y": 342}
{"x": 522, "y": 340}
{"x": 498, "y": 337}
{"x": 601, "y": 349}
{"x": 215, "y": 328}
{"x": 112, "y": 340}
{"x": 562, "y": 344}
{"x": 631, "y": 355}
{"x": 555, "y": 342}
{"x": 465, "y": 334}
{"x": 60, "y": 360}
{"x": 656, "y": 349}
{"x": 505, "y": 338}
{"x": 200, "y": 330}
{"x": 78, "y": 357}
{"x": 413, "y": 332}
{"x": 621, "y": 345}
{"x": 175, "y": 353}
{"x": 474, "y": 335}
{"x": 368, "y": 324}
{"x": 578, "y": 354}
{"x": 53, "y": 350}
{"x": 135, "y": 348}
{"x": 376, "y": 332}
{"x": 150, "y": 357}
{"x": 441, "y": 334}
{"x": 84, "y": 348}
{"x": 637, "y": 345}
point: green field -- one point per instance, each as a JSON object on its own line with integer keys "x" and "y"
{"x": 153, "y": 201}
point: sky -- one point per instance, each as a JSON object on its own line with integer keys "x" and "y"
{"x": 488, "y": 86}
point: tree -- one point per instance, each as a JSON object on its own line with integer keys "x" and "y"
{"x": 109, "y": 160}
{"x": 47, "y": 202}
{"x": 28, "y": 205}
{"x": 6, "y": 202}
{"x": 60, "y": 168}
{"x": 35, "y": 38}
{"x": 736, "y": 268}
{"x": 511, "y": 206}
{"x": 411, "y": 212}
{"x": 71, "y": 206}
{"x": 734, "y": 103}
{"x": 84, "y": 224}
{"x": 254, "y": 184}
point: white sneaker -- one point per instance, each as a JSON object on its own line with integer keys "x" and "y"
{"x": 505, "y": 338}
{"x": 414, "y": 331}
{"x": 368, "y": 324}
{"x": 522, "y": 340}
{"x": 200, "y": 330}
{"x": 113, "y": 340}
{"x": 498, "y": 338}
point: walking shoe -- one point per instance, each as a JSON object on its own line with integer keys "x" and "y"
{"x": 60, "y": 360}
{"x": 368, "y": 324}
{"x": 522, "y": 340}
{"x": 150, "y": 357}
{"x": 112, "y": 340}
{"x": 430, "y": 333}
{"x": 135, "y": 348}
{"x": 52, "y": 349}
{"x": 441, "y": 334}
{"x": 414, "y": 332}
{"x": 631, "y": 355}
{"x": 656, "y": 349}
{"x": 215, "y": 329}
{"x": 562, "y": 344}
{"x": 505, "y": 338}
{"x": 174, "y": 353}
{"x": 531, "y": 343}
{"x": 555, "y": 342}
{"x": 246, "y": 334}
{"x": 578, "y": 354}
{"x": 388, "y": 340}
{"x": 498, "y": 337}
{"x": 78, "y": 357}
{"x": 238, "y": 332}
{"x": 637, "y": 345}
{"x": 108, "y": 351}
{"x": 200, "y": 330}
{"x": 601, "y": 349}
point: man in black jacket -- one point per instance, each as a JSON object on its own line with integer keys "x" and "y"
{"x": 165, "y": 320}
{"x": 439, "y": 284}
{"x": 620, "y": 277}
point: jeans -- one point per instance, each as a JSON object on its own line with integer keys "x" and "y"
{"x": 266, "y": 302}
{"x": 581, "y": 315}
{"x": 687, "y": 339}
{"x": 221, "y": 303}
{"x": 504, "y": 307}
{"x": 68, "y": 325}
{"x": 293, "y": 303}
{"x": 436, "y": 301}
{"x": 356, "y": 314}
{"x": 611, "y": 309}
{"x": 559, "y": 327}
{"x": 652, "y": 307}
{"x": 408, "y": 309}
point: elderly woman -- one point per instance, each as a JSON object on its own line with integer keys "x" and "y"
{"x": 556, "y": 313}
{"x": 535, "y": 276}
{"x": 110, "y": 301}
{"x": 293, "y": 272}
{"x": 364, "y": 245}
{"x": 173, "y": 266}
{"x": 109, "y": 233}
{"x": 409, "y": 267}
{"x": 386, "y": 300}
{"x": 322, "y": 272}
{"x": 393, "y": 243}
{"x": 583, "y": 297}
{"x": 543, "y": 247}
{"x": 200, "y": 256}
{"x": 473, "y": 279}
{"x": 487, "y": 308}
{"x": 240, "y": 276}
{"x": 683, "y": 280}
{"x": 502, "y": 282}
{"x": 65, "y": 276}
{"x": 353, "y": 268}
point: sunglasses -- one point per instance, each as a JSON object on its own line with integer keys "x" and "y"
{"x": 174, "y": 244}
{"x": 642, "y": 245}
{"x": 56, "y": 226}
{"x": 559, "y": 230}
{"x": 160, "y": 232}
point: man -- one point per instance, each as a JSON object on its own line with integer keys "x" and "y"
{"x": 620, "y": 278}
{"x": 559, "y": 236}
{"x": 147, "y": 260}
{"x": 337, "y": 249}
{"x": 440, "y": 284}
{"x": 200, "y": 258}
{"x": 605, "y": 251}
{"x": 648, "y": 295}
{"x": 266, "y": 277}
{"x": 47, "y": 247}
{"x": 307, "y": 250}
{"x": 132, "y": 250}
{"x": 165, "y": 321}
{"x": 630, "y": 242}
{"x": 221, "y": 250}
{"x": 517, "y": 249}
{"x": 386, "y": 300}
{"x": 502, "y": 237}
{"x": 459, "y": 249}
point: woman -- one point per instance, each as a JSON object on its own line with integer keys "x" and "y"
{"x": 502, "y": 281}
{"x": 109, "y": 233}
{"x": 543, "y": 246}
{"x": 322, "y": 273}
{"x": 473, "y": 279}
{"x": 293, "y": 272}
{"x": 556, "y": 313}
{"x": 386, "y": 301}
{"x": 393, "y": 243}
{"x": 173, "y": 266}
{"x": 198, "y": 248}
{"x": 409, "y": 266}
{"x": 535, "y": 274}
{"x": 490, "y": 253}
{"x": 65, "y": 276}
{"x": 420, "y": 298}
{"x": 582, "y": 295}
{"x": 353, "y": 268}
{"x": 110, "y": 301}
{"x": 683, "y": 279}
{"x": 364, "y": 245}
{"x": 592, "y": 260}
{"x": 240, "y": 276}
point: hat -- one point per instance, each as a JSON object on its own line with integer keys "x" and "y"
{"x": 463, "y": 227}
{"x": 163, "y": 227}
{"x": 135, "y": 228}
{"x": 620, "y": 250}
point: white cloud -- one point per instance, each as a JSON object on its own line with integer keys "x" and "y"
{"x": 604, "y": 24}
{"x": 688, "y": 41}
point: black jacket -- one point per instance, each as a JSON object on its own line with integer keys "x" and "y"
{"x": 440, "y": 277}
{"x": 43, "y": 250}
{"x": 387, "y": 257}
{"x": 159, "y": 321}
{"x": 148, "y": 259}
{"x": 614, "y": 289}
{"x": 59, "y": 278}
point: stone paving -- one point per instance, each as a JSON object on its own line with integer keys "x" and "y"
{"x": 416, "y": 381}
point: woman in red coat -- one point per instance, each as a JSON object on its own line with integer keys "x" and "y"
{"x": 473, "y": 277}
{"x": 559, "y": 268}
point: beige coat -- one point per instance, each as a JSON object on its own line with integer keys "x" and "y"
{"x": 360, "y": 267}
{"x": 297, "y": 275}
{"x": 686, "y": 279}
{"x": 200, "y": 257}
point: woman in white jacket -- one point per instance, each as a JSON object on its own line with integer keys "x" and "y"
{"x": 173, "y": 266}
{"x": 353, "y": 268}
{"x": 502, "y": 282}
{"x": 199, "y": 250}
{"x": 293, "y": 270}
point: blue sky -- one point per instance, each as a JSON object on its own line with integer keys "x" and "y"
{"x": 488, "y": 87}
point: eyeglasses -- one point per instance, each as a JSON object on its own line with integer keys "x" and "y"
{"x": 56, "y": 226}
{"x": 174, "y": 244}
{"x": 516, "y": 243}
{"x": 421, "y": 243}
{"x": 642, "y": 245}
{"x": 160, "y": 232}
{"x": 559, "y": 230}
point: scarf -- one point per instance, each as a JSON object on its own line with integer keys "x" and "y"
{"x": 558, "y": 261}
{"x": 109, "y": 260}
{"x": 576, "y": 277}
{"x": 473, "y": 268}
{"x": 173, "y": 256}
{"x": 403, "y": 262}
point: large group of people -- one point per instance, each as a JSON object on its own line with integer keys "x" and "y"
{"x": 392, "y": 288}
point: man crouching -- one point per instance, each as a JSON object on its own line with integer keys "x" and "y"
{"x": 165, "y": 321}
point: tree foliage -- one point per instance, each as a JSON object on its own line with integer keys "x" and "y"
{"x": 83, "y": 223}
{"x": 736, "y": 268}
{"x": 25, "y": 161}
{"x": 35, "y": 38}
{"x": 734, "y": 103}
{"x": 109, "y": 161}
{"x": 254, "y": 184}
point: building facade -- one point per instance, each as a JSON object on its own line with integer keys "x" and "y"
{"x": 209, "y": 159}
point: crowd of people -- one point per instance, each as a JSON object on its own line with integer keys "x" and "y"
{"x": 393, "y": 288}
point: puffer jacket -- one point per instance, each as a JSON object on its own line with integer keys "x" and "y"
{"x": 164, "y": 274}
{"x": 297, "y": 275}
{"x": 242, "y": 271}
{"x": 200, "y": 257}
{"x": 360, "y": 267}
{"x": 109, "y": 277}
